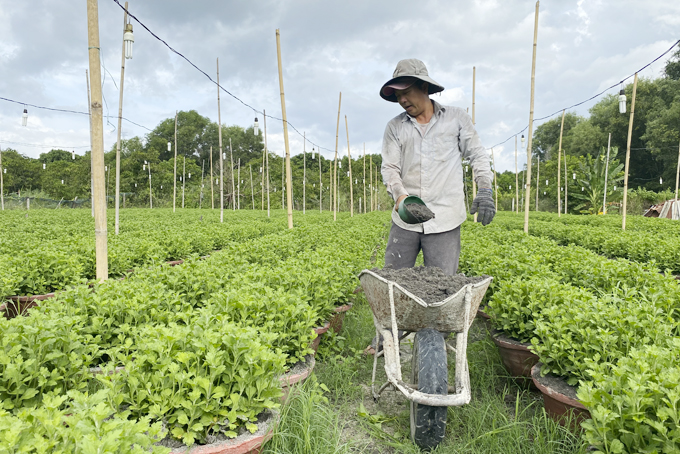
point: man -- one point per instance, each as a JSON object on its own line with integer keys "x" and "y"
{"x": 423, "y": 149}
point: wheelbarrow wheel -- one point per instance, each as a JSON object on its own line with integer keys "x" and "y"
{"x": 430, "y": 372}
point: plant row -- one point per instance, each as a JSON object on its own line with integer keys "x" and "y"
{"x": 196, "y": 348}
{"x": 49, "y": 250}
{"x": 588, "y": 318}
{"x": 643, "y": 242}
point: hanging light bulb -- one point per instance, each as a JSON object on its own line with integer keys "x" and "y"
{"x": 260, "y": 169}
{"x": 169, "y": 146}
{"x": 466, "y": 169}
{"x": 356, "y": 181}
{"x": 224, "y": 156}
{"x": 5, "y": 170}
{"x": 660, "y": 180}
{"x": 135, "y": 184}
{"x": 189, "y": 174}
{"x": 161, "y": 185}
{"x": 128, "y": 39}
{"x": 256, "y": 127}
{"x": 546, "y": 182}
{"x": 582, "y": 189}
{"x": 510, "y": 187}
{"x": 522, "y": 141}
{"x": 145, "y": 162}
{"x": 622, "y": 101}
{"x": 561, "y": 189}
{"x": 62, "y": 181}
{"x": 106, "y": 168}
{"x": 144, "y": 167}
{"x": 543, "y": 192}
{"x": 180, "y": 178}
{"x": 312, "y": 153}
{"x": 24, "y": 118}
{"x": 573, "y": 177}
{"x": 43, "y": 166}
{"x": 348, "y": 174}
{"x": 340, "y": 164}
{"x": 73, "y": 154}
{"x": 615, "y": 188}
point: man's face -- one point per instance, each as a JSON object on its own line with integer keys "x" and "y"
{"x": 413, "y": 99}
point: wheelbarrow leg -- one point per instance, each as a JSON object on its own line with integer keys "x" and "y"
{"x": 375, "y": 367}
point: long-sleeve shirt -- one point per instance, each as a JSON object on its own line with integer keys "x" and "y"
{"x": 429, "y": 164}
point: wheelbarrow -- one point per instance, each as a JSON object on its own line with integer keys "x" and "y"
{"x": 396, "y": 309}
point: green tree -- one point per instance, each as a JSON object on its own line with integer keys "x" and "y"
{"x": 593, "y": 180}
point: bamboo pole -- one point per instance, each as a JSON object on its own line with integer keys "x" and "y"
{"x": 89, "y": 115}
{"x": 334, "y": 185}
{"x": 174, "y": 174}
{"x": 238, "y": 182}
{"x": 364, "y": 179}
{"x": 2, "y": 185}
{"x": 566, "y": 183}
{"x": 200, "y": 197}
{"x": 474, "y": 184}
{"x": 97, "y": 141}
{"x": 370, "y": 185}
{"x": 120, "y": 125}
{"x": 320, "y": 185}
{"x": 252, "y": 189}
{"x": 283, "y": 182}
{"x": 677, "y": 175}
{"x": 150, "y": 195}
{"x": 184, "y": 177}
{"x": 262, "y": 171}
{"x": 538, "y": 174}
{"x": 289, "y": 178}
{"x": 559, "y": 169}
{"x": 606, "y": 175}
{"x": 531, "y": 124}
{"x": 212, "y": 175}
{"x": 304, "y": 172}
{"x": 233, "y": 187}
{"x": 266, "y": 154}
{"x": 516, "y": 179}
{"x": 349, "y": 164}
{"x": 630, "y": 137}
{"x": 495, "y": 177}
{"x": 219, "y": 135}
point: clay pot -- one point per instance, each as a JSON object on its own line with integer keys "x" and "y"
{"x": 243, "y": 444}
{"x": 516, "y": 356}
{"x": 482, "y": 314}
{"x": 560, "y": 407}
{"x": 339, "y": 316}
{"x": 319, "y": 332}
{"x": 18, "y": 305}
{"x": 297, "y": 374}
{"x": 175, "y": 262}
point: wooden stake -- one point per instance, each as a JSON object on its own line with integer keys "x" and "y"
{"x": 370, "y": 185}
{"x": 516, "y": 179}
{"x": 262, "y": 171}
{"x": 566, "y": 183}
{"x": 538, "y": 173}
{"x": 233, "y": 187}
{"x": 606, "y": 175}
{"x": 559, "y": 168}
{"x": 630, "y": 137}
{"x": 219, "y": 135}
{"x": 349, "y": 164}
{"x": 304, "y": 172}
{"x": 289, "y": 178}
{"x": 320, "y": 185}
{"x": 283, "y": 182}
{"x": 677, "y": 175}
{"x": 174, "y": 174}
{"x": 212, "y": 175}
{"x": 89, "y": 115}
{"x": 531, "y": 124}
{"x": 120, "y": 121}
{"x": 200, "y": 197}
{"x": 184, "y": 177}
{"x": 334, "y": 185}
{"x": 266, "y": 155}
{"x": 495, "y": 177}
{"x": 97, "y": 141}
{"x": 474, "y": 184}
{"x": 150, "y": 195}
{"x": 364, "y": 178}
{"x": 2, "y": 187}
{"x": 238, "y": 182}
{"x": 252, "y": 190}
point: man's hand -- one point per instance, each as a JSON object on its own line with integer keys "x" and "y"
{"x": 484, "y": 204}
{"x": 399, "y": 200}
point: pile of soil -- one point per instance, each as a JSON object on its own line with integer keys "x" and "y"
{"x": 420, "y": 212}
{"x": 428, "y": 282}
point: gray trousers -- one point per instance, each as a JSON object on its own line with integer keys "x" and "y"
{"x": 439, "y": 249}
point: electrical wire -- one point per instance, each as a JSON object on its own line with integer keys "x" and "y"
{"x": 54, "y": 147}
{"x": 213, "y": 81}
{"x": 592, "y": 97}
{"x": 67, "y": 111}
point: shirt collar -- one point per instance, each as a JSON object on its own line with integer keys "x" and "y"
{"x": 438, "y": 109}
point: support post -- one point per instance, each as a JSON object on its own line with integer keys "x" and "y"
{"x": 566, "y": 183}
{"x": 174, "y": 174}
{"x": 97, "y": 140}
{"x": 219, "y": 135}
{"x": 200, "y": 197}
{"x": 2, "y": 185}
{"x": 364, "y": 178}
{"x": 630, "y": 136}
{"x": 559, "y": 169}
{"x": 212, "y": 175}
{"x": 238, "y": 182}
{"x": 677, "y": 175}
{"x": 474, "y": 184}
{"x": 606, "y": 175}
{"x": 233, "y": 186}
{"x": 516, "y": 179}
{"x": 150, "y": 194}
{"x": 304, "y": 172}
{"x": 370, "y": 185}
{"x": 495, "y": 177}
{"x": 531, "y": 124}
{"x": 252, "y": 190}
{"x": 120, "y": 121}
{"x": 184, "y": 177}
{"x": 334, "y": 184}
{"x": 89, "y": 115}
{"x": 289, "y": 183}
{"x": 538, "y": 174}
{"x": 320, "y": 185}
{"x": 266, "y": 155}
{"x": 349, "y": 164}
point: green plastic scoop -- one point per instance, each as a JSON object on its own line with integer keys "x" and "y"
{"x": 404, "y": 214}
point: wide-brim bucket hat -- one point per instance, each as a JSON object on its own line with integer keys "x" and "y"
{"x": 403, "y": 76}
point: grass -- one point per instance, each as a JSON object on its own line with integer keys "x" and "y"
{"x": 335, "y": 413}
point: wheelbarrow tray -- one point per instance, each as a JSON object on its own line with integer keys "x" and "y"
{"x": 414, "y": 314}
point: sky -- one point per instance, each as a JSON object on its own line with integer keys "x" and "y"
{"x": 327, "y": 47}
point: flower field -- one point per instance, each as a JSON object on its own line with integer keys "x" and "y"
{"x": 190, "y": 351}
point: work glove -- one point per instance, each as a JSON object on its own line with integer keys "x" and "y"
{"x": 484, "y": 204}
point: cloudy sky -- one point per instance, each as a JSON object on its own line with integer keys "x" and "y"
{"x": 328, "y": 47}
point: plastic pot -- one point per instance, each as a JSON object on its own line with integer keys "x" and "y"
{"x": 338, "y": 317}
{"x": 517, "y": 359}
